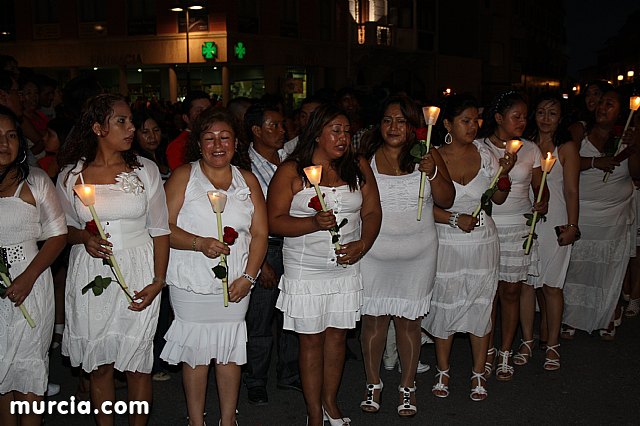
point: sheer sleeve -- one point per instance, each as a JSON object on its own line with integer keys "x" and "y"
{"x": 65, "y": 196}
{"x": 157, "y": 213}
{"x": 52, "y": 217}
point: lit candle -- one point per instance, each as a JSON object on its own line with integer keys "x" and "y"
{"x": 314, "y": 175}
{"x": 87, "y": 194}
{"x": 634, "y": 103}
{"x": 513, "y": 146}
{"x": 430, "y": 114}
{"x": 218, "y": 200}
{"x": 546, "y": 164}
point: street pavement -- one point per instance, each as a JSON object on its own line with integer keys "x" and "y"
{"x": 596, "y": 385}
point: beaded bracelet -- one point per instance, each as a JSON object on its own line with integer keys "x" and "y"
{"x": 193, "y": 243}
{"x": 453, "y": 219}
{"x": 249, "y": 278}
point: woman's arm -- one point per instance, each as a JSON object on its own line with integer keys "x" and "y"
{"x": 144, "y": 297}
{"x": 536, "y": 181}
{"x": 281, "y": 192}
{"x": 570, "y": 160}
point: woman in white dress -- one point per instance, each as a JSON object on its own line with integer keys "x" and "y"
{"x": 204, "y": 329}
{"x": 468, "y": 253}
{"x": 554, "y": 248}
{"x": 404, "y": 253}
{"x": 30, "y": 212}
{"x": 104, "y": 332}
{"x": 321, "y": 289}
{"x": 607, "y": 212}
{"x": 506, "y": 119}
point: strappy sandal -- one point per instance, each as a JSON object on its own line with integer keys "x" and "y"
{"x": 504, "y": 371}
{"x": 549, "y": 363}
{"x": 617, "y": 320}
{"x": 440, "y": 389}
{"x": 522, "y": 358}
{"x": 478, "y": 393}
{"x": 342, "y": 421}
{"x": 608, "y": 334}
{"x": 489, "y": 366}
{"x": 407, "y": 409}
{"x": 370, "y": 405}
{"x": 567, "y": 333}
{"x": 633, "y": 308}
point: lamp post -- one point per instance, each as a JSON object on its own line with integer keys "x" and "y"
{"x": 184, "y": 6}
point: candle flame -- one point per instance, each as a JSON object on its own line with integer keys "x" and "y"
{"x": 314, "y": 174}
{"x": 430, "y": 115}
{"x": 634, "y": 103}
{"x": 548, "y": 156}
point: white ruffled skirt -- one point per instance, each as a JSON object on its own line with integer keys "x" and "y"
{"x": 514, "y": 264}
{"x": 203, "y": 329}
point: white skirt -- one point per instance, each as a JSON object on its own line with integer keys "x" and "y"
{"x": 514, "y": 264}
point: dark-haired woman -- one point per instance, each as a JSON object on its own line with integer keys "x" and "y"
{"x": 30, "y": 212}
{"x": 586, "y": 111}
{"x": 321, "y": 289}
{"x": 148, "y": 142}
{"x": 404, "y": 253}
{"x": 554, "y": 249}
{"x": 106, "y": 333}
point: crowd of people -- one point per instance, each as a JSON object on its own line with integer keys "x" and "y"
{"x": 187, "y": 252}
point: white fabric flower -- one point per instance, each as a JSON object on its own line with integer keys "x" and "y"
{"x": 130, "y": 183}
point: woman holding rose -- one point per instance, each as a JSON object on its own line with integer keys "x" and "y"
{"x": 204, "y": 329}
{"x": 404, "y": 253}
{"x": 321, "y": 289}
{"x": 104, "y": 332}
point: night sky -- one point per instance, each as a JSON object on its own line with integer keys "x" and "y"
{"x": 589, "y": 24}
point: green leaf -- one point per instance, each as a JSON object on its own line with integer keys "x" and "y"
{"x": 4, "y": 268}
{"x": 219, "y": 271}
{"x": 3, "y": 292}
{"x": 88, "y": 287}
{"x": 335, "y": 238}
{"x": 97, "y": 291}
{"x": 343, "y": 223}
{"x": 528, "y": 215}
{"x": 106, "y": 262}
{"x": 104, "y": 282}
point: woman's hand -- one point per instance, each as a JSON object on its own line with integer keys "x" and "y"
{"x": 568, "y": 235}
{"x": 211, "y": 247}
{"x": 507, "y": 162}
{"x": 96, "y": 246}
{"x": 239, "y": 289}
{"x": 20, "y": 289}
{"x": 351, "y": 252}
{"x": 268, "y": 278}
{"x": 606, "y": 164}
{"x": 427, "y": 165}
{"x": 325, "y": 220}
{"x": 466, "y": 222}
{"x": 541, "y": 207}
{"x": 145, "y": 296}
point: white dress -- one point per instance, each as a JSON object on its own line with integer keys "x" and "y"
{"x": 101, "y": 329}
{"x": 553, "y": 259}
{"x": 467, "y": 272}
{"x": 203, "y": 329}
{"x": 599, "y": 259}
{"x": 316, "y": 292}
{"x": 509, "y": 216}
{"x": 24, "y": 360}
{"x": 399, "y": 269}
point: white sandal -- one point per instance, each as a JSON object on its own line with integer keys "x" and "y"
{"x": 552, "y": 364}
{"x": 522, "y": 358}
{"x": 370, "y": 402}
{"x": 479, "y": 393}
{"x": 633, "y": 308}
{"x": 504, "y": 372}
{"x": 406, "y": 401}
{"x": 441, "y": 387}
{"x": 489, "y": 366}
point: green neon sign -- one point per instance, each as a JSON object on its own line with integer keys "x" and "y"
{"x": 209, "y": 50}
{"x": 240, "y": 50}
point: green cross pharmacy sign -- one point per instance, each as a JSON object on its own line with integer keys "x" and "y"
{"x": 209, "y": 50}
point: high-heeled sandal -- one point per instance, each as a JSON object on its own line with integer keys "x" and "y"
{"x": 504, "y": 371}
{"x": 478, "y": 393}
{"x": 440, "y": 386}
{"x": 406, "y": 405}
{"x": 567, "y": 332}
{"x": 370, "y": 405}
{"x": 633, "y": 308}
{"x": 522, "y": 358}
{"x": 549, "y": 363}
{"x": 489, "y": 366}
{"x": 335, "y": 422}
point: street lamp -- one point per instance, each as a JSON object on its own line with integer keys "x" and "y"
{"x": 184, "y": 6}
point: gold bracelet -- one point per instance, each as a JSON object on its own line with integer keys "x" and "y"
{"x": 193, "y": 243}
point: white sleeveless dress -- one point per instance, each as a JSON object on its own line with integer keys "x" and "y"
{"x": 203, "y": 329}
{"x": 468, "y": 263}
{"x": 24, "y": 360}
{"x": 316, "y": 292}
{"x": 553, "y": 260}
{"x": 398, "y": 271}
{"x": 101, "y": 329}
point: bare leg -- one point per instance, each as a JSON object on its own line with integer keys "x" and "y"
{"x": 194, "y": 381}
{"x": 479, "y": 346}
{"x": 544, "y": 328}
{"x": 372, "y": 340}
{"x": 509, "y": 294}
{"x": 311, "y": 374}
{"x": 6, "y": 418}
{"x": 408, "y": 340}
{"x": 527, "y": 314}
{"x": 139, "y": 389}
{"x": 334, "y": 349}
{"x": 554, "y": 302}
{"x": 443, "y": 352}
{"x": 491, "y": 356}
{"x": 102, "y": 389}
{"x": 228, "y": 381}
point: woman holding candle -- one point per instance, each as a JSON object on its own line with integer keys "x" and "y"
{"x": 599, "y": 259}
{"x": 30, "y": 212}
{"x": 105, "y": 332}
{"x": 554, "y": 245}
{"x": 321, "y": 289}
{"x": 204, "y": 329}
{"x": 506, "y": 120}
{"x": 405, "y": 252}
{"x": 468, "y": 251}
{"x": 586, "y": 111}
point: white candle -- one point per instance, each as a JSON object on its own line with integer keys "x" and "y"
{"x": 547, "y": 163}
{"x": 634, "y": 103}
{"x": 218, "y": 200}
{"x": 86, "y": 192}
{"x": 314, "y": 174}
{"x": 513, "y": 146}
{"x": 430, "y": 114}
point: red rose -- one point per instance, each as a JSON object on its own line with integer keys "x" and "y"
{"x": 92, "y": 228}
{"x": 504, "y": 184}
{"x": 314, "y": 203}
{"x": 229, "y": 235}
{"x": 421, "y": 133}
